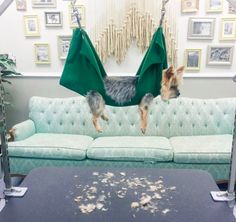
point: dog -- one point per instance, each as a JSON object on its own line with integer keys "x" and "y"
{"x": 122, "y": 89}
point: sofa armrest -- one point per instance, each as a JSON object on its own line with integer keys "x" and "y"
{"x": 22, "y": 130}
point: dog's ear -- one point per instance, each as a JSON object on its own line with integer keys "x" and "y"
{"x": 169, "y": 72}
{"x": 180, "y": 70}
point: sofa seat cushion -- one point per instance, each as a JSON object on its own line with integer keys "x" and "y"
{"x": 51, "y": 146}
{"x": 202, "y": 149}
{"x": 131, "y": 149}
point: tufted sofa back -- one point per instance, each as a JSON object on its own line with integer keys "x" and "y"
{"x": 177, "y": 117}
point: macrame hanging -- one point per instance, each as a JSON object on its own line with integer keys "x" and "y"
{"x": 124, "y": 21}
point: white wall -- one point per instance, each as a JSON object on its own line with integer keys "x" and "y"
{"x": 12, "y": 40}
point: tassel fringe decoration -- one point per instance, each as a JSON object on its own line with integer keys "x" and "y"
{"x": 115, "y": 40}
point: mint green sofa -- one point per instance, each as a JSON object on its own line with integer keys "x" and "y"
{"x": 182, "y": 133}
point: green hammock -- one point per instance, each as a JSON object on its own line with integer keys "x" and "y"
{"x": 83, "y": 70}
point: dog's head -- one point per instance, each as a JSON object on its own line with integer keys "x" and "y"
{"x": 171, "y": 80}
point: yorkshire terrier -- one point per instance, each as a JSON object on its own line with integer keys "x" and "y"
{"x": 122, "y": 89}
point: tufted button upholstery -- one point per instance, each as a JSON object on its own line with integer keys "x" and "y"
{"x": 177, "y": 117}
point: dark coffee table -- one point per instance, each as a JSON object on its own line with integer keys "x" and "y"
{"x": 51, "y": 193}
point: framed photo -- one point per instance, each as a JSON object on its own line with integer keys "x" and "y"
{"x": 21, "y": 5}
{"x": 231, "y": 10}
{"x": 72, "y": 18}
{"x": 189, "y": 6}
{"x": 228, "y": 29}
{"x": 44, "y": 3}
{"x": 53, "y": 18}
{"x": 214, "y": 5}
{"x": 31, "y": 25}
{"x": 42, "y": 53}
{"x": 193, "y": 59}
{"x": 201, "y": 28}
{"x": 63, "y": 45}
{"x": 220, "y": 55}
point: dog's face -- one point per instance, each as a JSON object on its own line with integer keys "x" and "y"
{"x": 171, "y": 80}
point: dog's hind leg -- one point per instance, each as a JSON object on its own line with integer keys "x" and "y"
{"x": 96, "y": 124}
{"x": 143, "y": 108}
{"x": 97, "y": 106}
{"x": 104, "y": 117}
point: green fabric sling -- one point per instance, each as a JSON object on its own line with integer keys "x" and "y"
{"x": 83, "y": 70}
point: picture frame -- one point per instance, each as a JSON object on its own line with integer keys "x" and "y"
{"x": 44, "y": 3}
{"x": 231, "y": 9}
{"x": 21, "y": 5}
{"x": 53, "y": 19}
{"x": 63, "y": 42}
{"x": 201, "y": 28}
{"x": 214, "y": 6}
{"x": 228, "y": 29}
{"x": 42, "y": 53}
{"x": 72, "y": 19}
{"x": 193, "y": 59}
{"x": 31, "y": 25}
{"x": 188, "y": 6}
{"x": 220, "y": 55}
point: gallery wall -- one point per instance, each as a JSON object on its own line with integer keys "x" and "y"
{"x": 14, "y": 41}
{"x": 185, "y": 43}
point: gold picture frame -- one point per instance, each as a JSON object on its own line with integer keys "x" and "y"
{"x": 42, "y": 53}
{"x": 63, "y": 45}
{"x": 44, "y": 3}
{"x": 214, "y": 6}
{"x": 228, "y": 29}
{"x": 21, "y": 5}
{"x": 220, "y": 55}
{"x": 31, "y": 26}
{"x": 231, "y": 9}
{"x": 193, "y": 59}
{"x": 188, "y": 6}
{"x": 72, "y": 19}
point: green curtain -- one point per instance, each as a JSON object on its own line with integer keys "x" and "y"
{"x": 83, "y": 70}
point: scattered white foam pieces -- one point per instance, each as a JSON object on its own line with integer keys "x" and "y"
{"x": 91, "y": 197}
{"x": 172, "y": 188}
{"x": 165, "y": 211}
{"x": 148, "y": 201}
{"x": 87, "y": 208}
{"x": 92, "y": 190}
{"x": 99, "y": 206}
{"x": 104, "y": 209}
{"x": 145, "y": 200}
{"x": 78, "y": 199}
{"x": 101, "y": 198}
{"x": 121, "y": 193}
{"x": 109, "y": 175}
{"x": 153, "y": 188}
{"x": 157, "y": 196}
{"x": 134, "y": 205}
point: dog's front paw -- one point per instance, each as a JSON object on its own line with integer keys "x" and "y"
{"x": 143, "y": 130}
{"x": 99, "y": 130}
{"x": 105, "y": 118}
